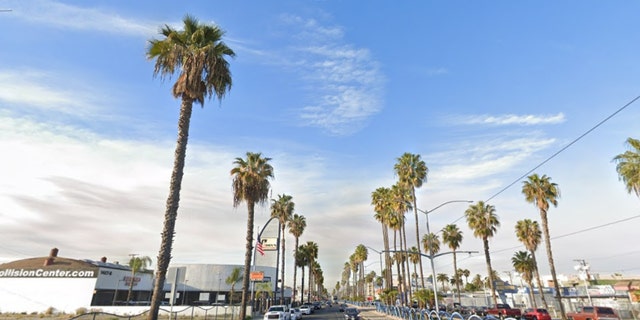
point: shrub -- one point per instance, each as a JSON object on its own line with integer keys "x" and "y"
{"x": 80, "y": 311}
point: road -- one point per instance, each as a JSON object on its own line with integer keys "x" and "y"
{"x": 334, "y": 313}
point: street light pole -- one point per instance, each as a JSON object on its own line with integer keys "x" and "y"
{"x": 380, "y": 255}
{"x": 433, "y": 268}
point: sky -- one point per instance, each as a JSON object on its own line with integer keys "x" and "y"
{"x": 333, "y": 92}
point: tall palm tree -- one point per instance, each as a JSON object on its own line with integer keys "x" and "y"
{"x": 251, "y": 185}
{"x": 302, "y": 260}
{"x": 380, "y": 199}
{"x": 452, "y": 237}
{"x": 528, "y": 232}
{"x": 198, "y": 54}
{"x": 466, "y": 273}
{"x": 362, "y": 254}
{"x": 235, "y": 276}
{"x": 628, "y": 166}
{"x": 482, "y": 219}
{"x": 401, "y": 204}
{"x": 136, "y": 264}
{"x": 297, "y": 224}
{"x": 414, "y": 258}
{"x": 282, "y": 209}
{"x": 312, "y": 255}
{"x": 542, "y": 192}
{"x": 523, "y": 263}
{"x": 442, "y": 278}
{"x": 412, "y": 172}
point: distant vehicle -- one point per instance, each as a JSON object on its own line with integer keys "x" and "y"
{"x": 342, "y": 307}
{"x": 317, "y": 305}
{"x": 503, "y": 310}
{"x": 351, "y": 314}
{"x": 536, "y": 314}
{"x": 278, "y": 312}
{"x": 306, "y": 309}
{"x": 593, "y": 313}
{"x": 296, "y": 314}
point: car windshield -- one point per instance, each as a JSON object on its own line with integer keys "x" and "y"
{"x": 351, "y": 310}
{"x": 279, "y": 308}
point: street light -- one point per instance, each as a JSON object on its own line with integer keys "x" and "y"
{"x": 379, "y": 254}
{"x": 583, "y": 269}
{"x": 433, "y": 268}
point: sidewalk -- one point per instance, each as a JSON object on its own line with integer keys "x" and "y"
{"x": 370, "y": 313}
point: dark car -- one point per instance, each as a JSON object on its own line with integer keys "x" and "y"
{"x": 536, "y": 314}
{"x": 342, "y": 307}
{"x": 351, "y": 314}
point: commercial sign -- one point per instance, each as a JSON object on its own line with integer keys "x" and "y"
{"x": 46, "y": 273}
{"x": 256, "y": 276}
{"x": 269, "y": 244}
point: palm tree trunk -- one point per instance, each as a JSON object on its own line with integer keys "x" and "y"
{"x": 535, "y": 270}
{"x": 133, "y": 274}
{"x": 487, "y": 258}
{"x": 282, "y": 270}
{"x": 415, "y": 212}
{"x": 547, "y": 242}
{"x": 387, "y": 258}
{"x": 247, "y": 260}
{"x": 531, "y": 296}
{"x": 405, "y": 264}
{"x": 395, "y": 249}
{"x": 302, "y": 286}
{"x": 295, "y": 269}
{"x": 171, "y": 211}
{"x": 455, "y": 274}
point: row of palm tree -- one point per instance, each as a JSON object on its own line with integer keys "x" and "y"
{"x": 199, "y": 56}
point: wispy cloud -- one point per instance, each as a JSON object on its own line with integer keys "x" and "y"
{"x": 44, "y": 91}
{"x": 67, "y": 16}
{"x": 346, "y": 82}
{"x": 513, "y": 119}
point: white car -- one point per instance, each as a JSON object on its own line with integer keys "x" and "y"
{"x": 296, "y": 314}
{"x": 306, "y": 309}
{"x": 278, "y": 312}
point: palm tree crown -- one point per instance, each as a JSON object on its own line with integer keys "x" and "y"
{"x": 199, "y": 53}
{"x": 628, "y": 166}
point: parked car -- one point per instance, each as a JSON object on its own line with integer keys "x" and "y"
{"x": 278, "y": 312}
{"x": 593, "y": 313}
{"x": 503, "y": 310}
{"x": 536, "y": 314}
{"x": 296, "y": 313}
{"x": 342, "y": 307}
{"x": 351, "y": 314}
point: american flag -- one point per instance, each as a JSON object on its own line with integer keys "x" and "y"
{"x": 259, "y": 247}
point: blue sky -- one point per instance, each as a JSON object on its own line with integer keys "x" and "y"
{"x": 334, "y": 92}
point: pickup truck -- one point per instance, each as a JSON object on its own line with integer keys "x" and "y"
{"x": 278, "y": 312}
{"x": 503, "y": 310}
{"x": 593, "y": 313}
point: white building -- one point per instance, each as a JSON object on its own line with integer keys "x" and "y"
{"x": 64, "y": 284}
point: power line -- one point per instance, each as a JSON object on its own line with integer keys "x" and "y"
{"x": 559, "y": 151}
{"x": 577, "y": 232}
{"x": 564, "y": 148}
